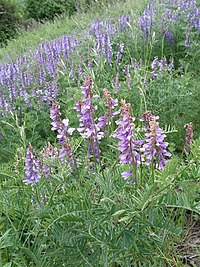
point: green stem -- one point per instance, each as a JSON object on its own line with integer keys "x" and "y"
{"x": 152, "y": 172}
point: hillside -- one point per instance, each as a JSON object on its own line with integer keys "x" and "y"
{"x": 100, "y": 139}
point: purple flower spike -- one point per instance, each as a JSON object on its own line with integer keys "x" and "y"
{"x": 171, "y": 64}
{"x": 189, "y": 136}
{"x": 155, "y": 147}
{"x": 128, "y": 146}
{"x": 155, "y": 63}
{"x": 60, "y": 126}
{"x": 88, "y": 128}
{"x": 168, "y": 36}
{"x": 55, "y": 116}
{"x": 32, "y": 167}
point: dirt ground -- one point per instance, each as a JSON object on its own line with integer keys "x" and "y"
{"x": 188, "y": 250}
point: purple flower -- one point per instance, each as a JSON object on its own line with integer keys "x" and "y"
{"x": 127, "y": 174}
{"x": 171, "y": 64}
{"x": 155, "y": 146}
{"x": 189, "y": 136}
{"x": 163, "y": 64}
{"x": 155, "y": 63}
{"x": 147, "y": 117}
{"x": 32, "y": 167}
{"x": 128, "y": 146}
{"x": 134, "y": 63}
{"x": 58, "y": 124}
{"x": 80, "y": 70}
{"x": 61, "y": 126}
{"x": 55, "y": 116}
{"x": 154, "y": 74}
{"x": 168, "y": 36}
{"x": 159, "y": 67}
{"x": 88, "y": 128}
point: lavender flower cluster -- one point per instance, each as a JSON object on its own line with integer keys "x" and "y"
{"x": 128, "y": 145}
{"x": 133, "y": 151}
{"x": 60, "y": 126}
{"x": 155, "y": 146}
{"x": 161, "y": 15}
{"x": 35, "y": 75}
{"x": 88, "y": 128}
{"x": 42, "y": 165}
{"x": 159, "y": 68}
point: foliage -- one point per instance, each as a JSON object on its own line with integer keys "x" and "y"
{"x": 97, "y": 219}
{"x": 9, "y": 20}
{"x": 40, "y": 10}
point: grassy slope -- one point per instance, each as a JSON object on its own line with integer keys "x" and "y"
{"x": 64, "y": 25}
{"x": 99, "y": 213}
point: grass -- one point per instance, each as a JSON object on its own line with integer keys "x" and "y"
{"x": 27, "y": 40}
{"x": 81, "y": 211}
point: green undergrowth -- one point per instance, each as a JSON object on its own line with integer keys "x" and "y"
{"x": 99, "y": 219}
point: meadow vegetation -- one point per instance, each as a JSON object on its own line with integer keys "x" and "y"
{"x": 99, "y": 139}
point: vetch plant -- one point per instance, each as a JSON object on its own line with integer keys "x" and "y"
{"x": 32, "y": 167}
{"x": 128, "y": 145}
{"x": 59, "y": 125}
{"x": 94, "y": 189}
{"x": 88, "y": 128}
{"x": 155, "y": 146}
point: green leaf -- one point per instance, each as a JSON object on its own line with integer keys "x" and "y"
{"x": 31, "y": 255}
{"x": 9, "y": 264}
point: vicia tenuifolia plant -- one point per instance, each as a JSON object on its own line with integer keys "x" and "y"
{"x": 160, "y": 16}
{"x": 110, "y": 105}
{"x": 128, "y": 145}
{"x": 88, "y": 127}
{"x": 155, "y": 148}
{"x": 41, "y": 165}
{"x": 134, "y": 150}
{"x": 61, "y": 126}
{"x": 32, "y": 167}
